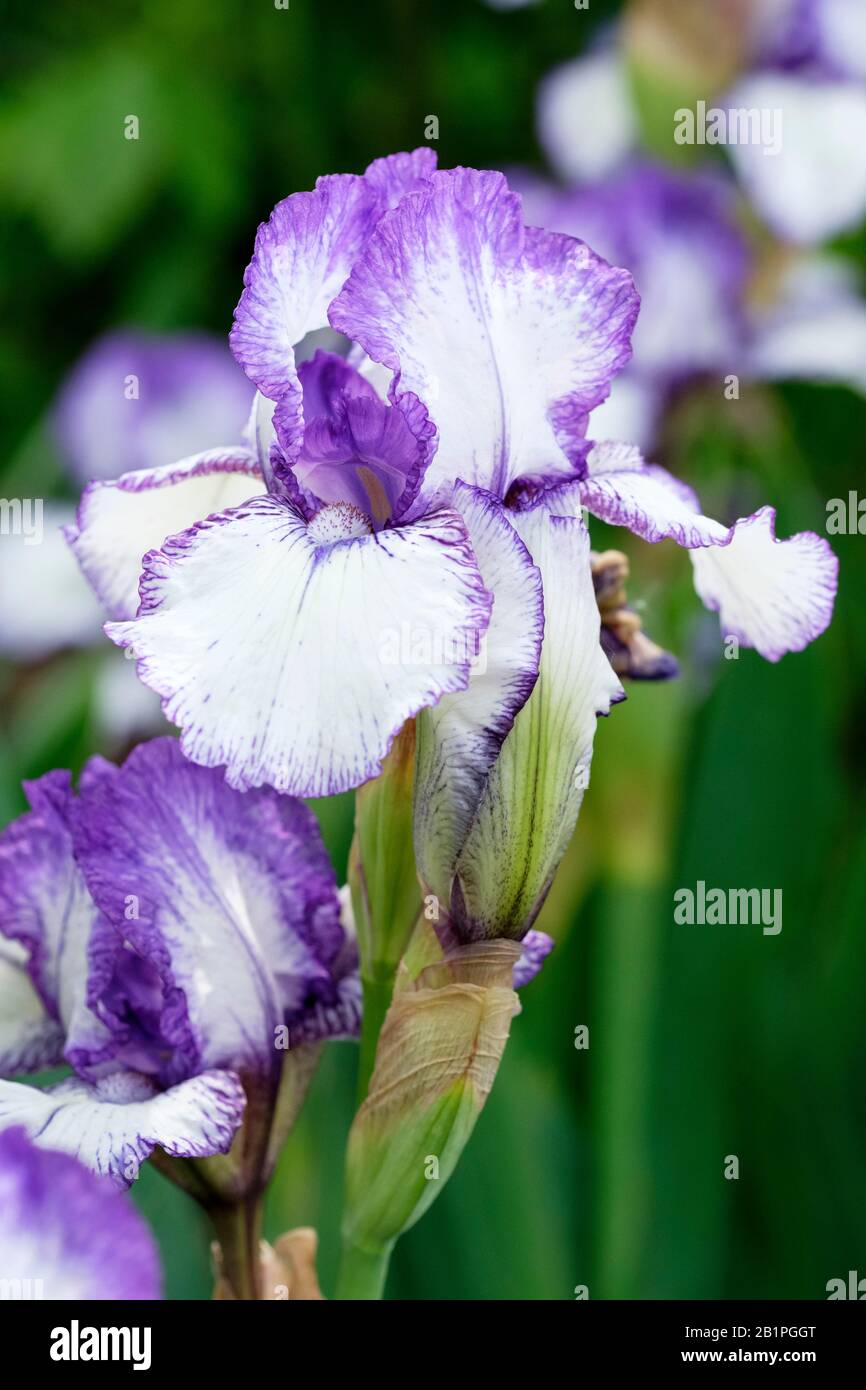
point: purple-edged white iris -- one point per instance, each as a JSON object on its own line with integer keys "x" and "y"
{"x": 292, "y": 636}
{"x": 411, "y": 551}
{"x": 65, "y": 1234}
{"x": 173, "y": 942}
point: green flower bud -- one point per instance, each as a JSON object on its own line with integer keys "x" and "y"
{"x": 439, "y": 1051}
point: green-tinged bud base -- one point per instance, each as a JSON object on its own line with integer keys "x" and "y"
{"x": 439, "y": 1051}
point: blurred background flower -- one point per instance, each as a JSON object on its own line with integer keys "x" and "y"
{"x": 599, "y": 1165}
{"x": 133, "y": 400}
{"x": 66, "y": 1234}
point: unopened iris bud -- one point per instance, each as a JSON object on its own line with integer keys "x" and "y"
{"x": 386, "y": 896}
{"x": 492, "y": 824}
{"x": 439, "y": 1051}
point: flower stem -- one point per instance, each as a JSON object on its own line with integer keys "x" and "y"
{"x": 377, "y": 985}
{"x": 237, "y": 1226}
{"x": 362, "y": 1273}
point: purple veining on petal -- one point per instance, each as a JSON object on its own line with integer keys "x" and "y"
{"x": 357, "y": 449}
{"x": 330, "y": 733}
{"x": 113, "y": 1124}
{"x": 65, "y": 1234}
{"x": 119, "y": 520}
{"x": 509, "y": 335}
{"x": 624, "y": 491}
{"x": 302, "y": 256}
{"x": 327, "y": 380}
{"x": 189, "y": 925}
{"x": 285, "y": 486}
{"x": 395, "y": 175}
{"x": 332, "y": 1009}
{"x": 137, "y": 400}
{"x": 181, "y": 864}
{"x": 145, "y": 1015}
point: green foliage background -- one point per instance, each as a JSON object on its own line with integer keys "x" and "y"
{"x": 601, "y": 1167}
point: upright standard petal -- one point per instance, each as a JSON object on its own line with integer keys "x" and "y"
{"x": 302, "y": 257}
{"x": 532, "y": 797}
{"x": 458, "y": 740}
{"x": 509, "y": 335}
{"x": 120, "y": 520}
{"x": 230, "y": 898}
{"x": 65, "y": 1235}
{"x": 291, "y": 654}
{"x": 114, "y": 1124}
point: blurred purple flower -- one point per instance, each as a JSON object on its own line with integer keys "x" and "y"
{"x": 140, "y": 400}
{"x": 177, "y": 944}
{"x": 65, "y": 1234}
{"x": 264, "y": 627}
{"x": 366, "y": 534}
{"x": 803, "y": 58}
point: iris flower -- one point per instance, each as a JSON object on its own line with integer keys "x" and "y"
{"x": 180, "y": 947}
{"x": 312, "y": 621}
{"x": 408, "y": 551}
